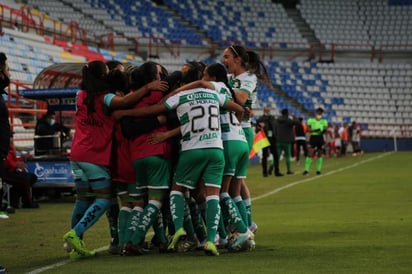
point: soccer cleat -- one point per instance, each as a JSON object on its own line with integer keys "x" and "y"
{"x": 210, "y": 249}
{"x": 278, "y": 174}
{"x": 241, "y": 242}
{"x": 66, "y": 247}
{"x": 317, "y": 172}
{"x": 130, "y": 249}
{"x": 223, "y": 243}
{"x": 290, "y": 172}
{"x": 305, "y": 173}
{"x": 176, "y": 237}
{"x": 251, "y": 245}
{"x": 187, "y": 245}
{"x": 74, "y": 254}
{"x": 75, "y": 243}
{"x": 253, "y": 227}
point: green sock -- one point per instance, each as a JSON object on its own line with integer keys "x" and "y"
{"x": 159, "y": 228}
{"x": 177, "y": 206}
{"x": 124, "y": 214}
{"x": 240, "y": 204}
{"x": 212, "y": 216}
{"x": 146, "y": 219}
{"x": 188, "y": 224}
{"x": 230, "y": 210}
{"x": 248, "y": 205}
{"x": 131, "y": 224}
{"x": 221, "y": 230}
{"x": 197, "y": 220}
{"x": 319, "y": 163}
{"x": 112, "y": 216}
{"x": 308, "y": 162}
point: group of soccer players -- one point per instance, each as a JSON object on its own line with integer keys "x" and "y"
{"x": 173, "y": 148}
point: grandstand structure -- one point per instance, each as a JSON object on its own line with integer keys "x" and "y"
{"x": 352, "y": 58}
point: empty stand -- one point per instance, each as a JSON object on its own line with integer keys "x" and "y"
{"x": 360, "y": 24}
{"x": 254, "y": 23}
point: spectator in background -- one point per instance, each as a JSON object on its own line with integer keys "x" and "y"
{"x": 354, "y": 134}
{"x": 338, "y": 142}
{"x": 300, "y": 139}
{"x": 5, "y": 132}
{"x": 330, "y": 140}
{"x": 267, "y": 123}
{"x": 284, "y": 136}
{"x": 343, "y": 134}
{"x": 45, "y": 131}
{"x": 1, "y": 29}
{"x": 22, "y": 181}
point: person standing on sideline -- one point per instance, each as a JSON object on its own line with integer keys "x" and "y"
{"x": 330, "y": 141}
{"x": 316, "y": 127}
{"x": 5, "y": 131}
{"x": 354, "y": 133}
{"x": 284, "y": 137}
{"x": 267, "y": 123}
{"x": 300, "y": 139}
{"x": 343, "y": 134}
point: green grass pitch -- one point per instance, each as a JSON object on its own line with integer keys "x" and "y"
{"x": 354, "y": 218}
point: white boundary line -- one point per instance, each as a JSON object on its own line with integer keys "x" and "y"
{"x": 277, "y": 190}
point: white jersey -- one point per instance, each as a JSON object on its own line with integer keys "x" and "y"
{"x": 355, "y": 135}
{"x": 246, "y": 82}
{"x": 198, "y": 113}
{"x": 231, "y": 129}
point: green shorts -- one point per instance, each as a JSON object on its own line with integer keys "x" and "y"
{"x": 152, "y": 172}
{"x": 122, "y": 189}
{"x": 236, "y": 158}
{"x": 196, "y": 164}
{"x": 88, "y": 175}
{"x": 250, "y": 135}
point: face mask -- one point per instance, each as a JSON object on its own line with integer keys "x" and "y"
{"x": 52, "y": 121}
{"x": 318, "y": 116}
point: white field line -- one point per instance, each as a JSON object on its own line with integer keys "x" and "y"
{"x": 276, "y": 190}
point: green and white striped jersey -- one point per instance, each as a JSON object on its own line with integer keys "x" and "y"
{"x": 231, "y": 129}
{"x": 246, "y": 82}
{"x": 198, "y": 112}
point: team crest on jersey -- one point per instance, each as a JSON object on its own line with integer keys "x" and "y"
{"x": 235, "y": 83}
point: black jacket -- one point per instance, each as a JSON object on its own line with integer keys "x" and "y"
{"x": 270, "y": 126}
{"x": 5, "y": 132}
{"x": 284, "y": 129}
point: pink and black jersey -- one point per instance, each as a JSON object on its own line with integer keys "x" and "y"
{"x": 92, "y": 140}
{"x": 140, "y": 147}
{"x": 121, "y": 167}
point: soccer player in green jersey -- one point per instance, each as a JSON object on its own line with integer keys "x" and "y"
{"x": 316, "y": 126}
{"x": 245, "y": 69}
{"x": 201, "y": 156}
